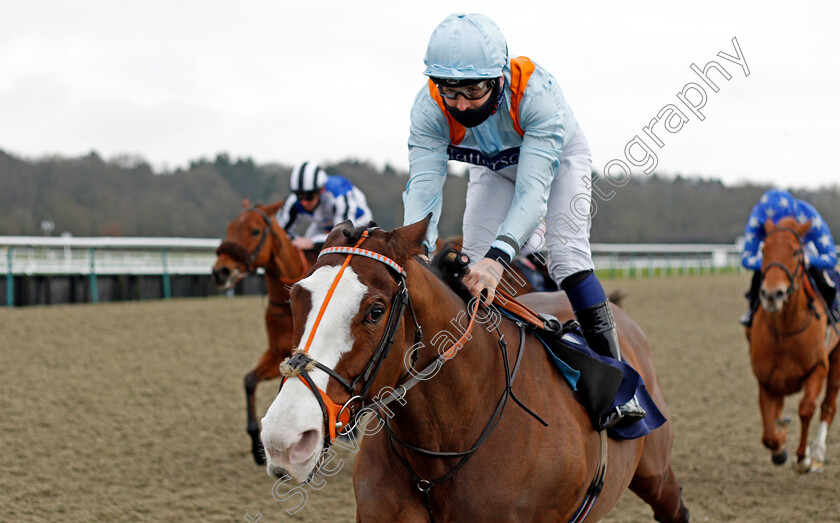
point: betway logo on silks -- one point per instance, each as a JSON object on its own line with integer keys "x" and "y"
{"x": 474, "y": 156}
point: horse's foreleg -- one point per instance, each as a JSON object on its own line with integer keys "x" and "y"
{"x": 772, "y": 438}
{"x": 807, "y": 406}
{"x": 663, "y": 494}
{"x": 827, "y": 410}
{"x": 267, "y": 368}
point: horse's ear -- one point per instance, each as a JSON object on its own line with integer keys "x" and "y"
{"x": 769, "y": 225}
{"x": 246, "y": 202}
{"x": 272, "y": 208}
{"x": 408, "y": 241}
{"x": 337, "y": 235}
{"x": 803, "y": 228}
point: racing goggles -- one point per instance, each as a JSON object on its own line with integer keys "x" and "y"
{"x": 307, "y": 196}
{"x": 470, "y": 92}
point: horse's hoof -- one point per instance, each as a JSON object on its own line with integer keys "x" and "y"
{"x": 802, "y": 466}
{"x": 780, "y": 458}
{"x": 816, "y": 466}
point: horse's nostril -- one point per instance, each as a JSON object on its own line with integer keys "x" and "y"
{"x": 779, "y": 295}
{"x": 220, "y": 276}
{"x": 306, "y": 445}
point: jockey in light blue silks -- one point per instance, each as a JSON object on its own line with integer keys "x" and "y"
{"x": 529, "y": 163}
{"x": 819, "y": 249}
{"x": 322, "y": 199}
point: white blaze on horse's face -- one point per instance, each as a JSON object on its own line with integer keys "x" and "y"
{"x": 293, "y": 428}
{"x": 773, "y": 297}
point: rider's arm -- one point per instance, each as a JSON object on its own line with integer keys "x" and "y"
{"x": 427, "y": 155}
{"x": 821, "y": 237}
{"x": 286, "y": 217}
{"x": 343, "y": 209}
{"x": 548, "y": 123}
{"x": 753, "y": 236}
{"x": 318, "y": 234}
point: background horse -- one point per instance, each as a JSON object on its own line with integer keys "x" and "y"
{"x": 790, "y": 347}
{"x": 254, "y": 240}
{"x": 520, "y": 470}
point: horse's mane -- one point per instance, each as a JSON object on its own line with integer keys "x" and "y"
{"x": 450, "y": 266}
{"x": 354, "y": 235}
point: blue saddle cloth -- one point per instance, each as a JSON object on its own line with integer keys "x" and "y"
{"x": 631, "y": 383}
{"x": 539, "y": 279}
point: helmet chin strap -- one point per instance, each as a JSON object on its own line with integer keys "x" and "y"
{"x": 475, "y": 117}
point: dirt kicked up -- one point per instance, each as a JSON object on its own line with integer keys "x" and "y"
{"x": 136, "y": 412}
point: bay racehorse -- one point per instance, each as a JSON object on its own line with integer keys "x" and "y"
{"x": 791, "y": 346}
{"x": 253, "y": 241}
{"x": 448, "y": 446}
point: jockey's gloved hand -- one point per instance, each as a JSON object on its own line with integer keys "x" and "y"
{"x": 484, "y": 276}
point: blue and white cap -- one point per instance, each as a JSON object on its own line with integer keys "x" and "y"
{"x": 466, "y": 46}
{"x": 307, "y": 176}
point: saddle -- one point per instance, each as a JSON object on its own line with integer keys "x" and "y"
{"x": 536, "y": 273}
{"x": 600, "y": 383}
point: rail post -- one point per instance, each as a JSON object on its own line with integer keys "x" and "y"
{"x": 94, "y": 289}
{"x": 10, "y": 279}
{"x": 167, "y": 287}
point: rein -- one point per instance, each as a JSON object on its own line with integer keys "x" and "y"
{"x": 337, "y": 419}
{"x": 792, "y": 277}
{"x": 800, "y": 264}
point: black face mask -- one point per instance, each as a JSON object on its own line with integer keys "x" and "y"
{"x": 474, "y": 117}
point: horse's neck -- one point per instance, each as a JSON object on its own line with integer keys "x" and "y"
{"x": 277, "y": 291}
{"x": 289, "y": 266}
{"x": 449, "y": 410}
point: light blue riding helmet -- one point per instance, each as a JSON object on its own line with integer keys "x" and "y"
{"x": 466, "y": 46}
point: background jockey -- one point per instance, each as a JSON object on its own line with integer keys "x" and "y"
{"x": 530, "y": 162}
{"x": 324, "y": 200}
{"x": 820, "y": 252}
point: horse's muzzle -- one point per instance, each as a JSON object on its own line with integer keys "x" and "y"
{"x": 277, "y": 472}
{"x": 221, "y": 276}
{"x": 772, "y": 300}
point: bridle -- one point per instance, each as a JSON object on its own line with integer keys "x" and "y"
{"x": 792, "y": 277}
{"x": 339, "y": 419}
{"x": 241, "y": 255}
{"x": 800, "y": 264}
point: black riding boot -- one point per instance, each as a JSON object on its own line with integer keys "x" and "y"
{"x": 599, "y": 330}
{"x": 752, "y": 299}
{"x": 825, "y": 286}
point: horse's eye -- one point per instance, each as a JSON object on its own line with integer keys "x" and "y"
{"x": 255, "y": 232}
{"x": 375, "y": 314}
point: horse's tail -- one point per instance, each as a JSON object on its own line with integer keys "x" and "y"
{"x": 617, "y": 297}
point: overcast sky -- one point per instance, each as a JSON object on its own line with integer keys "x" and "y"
{"x": 283, "y": 82}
